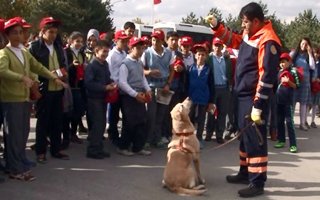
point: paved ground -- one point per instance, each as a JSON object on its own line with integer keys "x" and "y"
{"x": 290, "y": 176}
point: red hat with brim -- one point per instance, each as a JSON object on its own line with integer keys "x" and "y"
{"x": 217, "y": 41}
{"x": 285, "y": 56}
{"x": 23, "y": 22}
{"x": 198, "y": 47}
{"x": 135, "y": 41}
{"x": 2, "y": 25}
{"x": 49, "y": 20}
{"x": 120, "y": 35}
{"x": 103, "y": 36}
{"x": 186, "y": 40}
{"x": 11, "y": 23}
{"x": 159, "y": 34}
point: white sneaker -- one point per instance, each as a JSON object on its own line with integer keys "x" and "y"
{"x": 164, "y": 140}
{"x": 144, "y": 152}
{"x": 125, "y": 152}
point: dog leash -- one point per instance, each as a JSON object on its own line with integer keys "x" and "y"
{"x": 239, "y": 133}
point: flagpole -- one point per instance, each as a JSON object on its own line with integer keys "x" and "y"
{"x": 152, "y": 2}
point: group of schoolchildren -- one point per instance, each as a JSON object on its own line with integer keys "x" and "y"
{"x": 130, "y": 75}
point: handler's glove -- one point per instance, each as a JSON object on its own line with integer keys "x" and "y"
{"x": 211, "y": 20}
{"x": 256, "y": 116}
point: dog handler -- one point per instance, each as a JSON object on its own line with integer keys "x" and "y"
{"x": 256, "y": 71}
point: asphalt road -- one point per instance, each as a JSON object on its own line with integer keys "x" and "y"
{"x": 290, "y": 176}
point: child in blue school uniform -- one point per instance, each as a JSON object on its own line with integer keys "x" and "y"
{"x": 200, "y": 89}
{"x": 288, "y": 82}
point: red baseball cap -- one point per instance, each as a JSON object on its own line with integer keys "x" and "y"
{"x": 11, "y": 22}
{"x": 134, "y": 41}
{"x": 48, "y": 20}
{"x": 186, "y": 40}
{"x": 22, "y": 21}
{"x": 159, "y": 34}
{"x": 120, "y": 35}
{"x": 200, "y": 46}
{"x": 285, "y": 56}
{"x": 1, "y": 25}
{"x": 216, "y": 41}
{"x": 103, "y": 35}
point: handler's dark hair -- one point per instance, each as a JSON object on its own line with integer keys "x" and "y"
{"x": 251, "y": 11}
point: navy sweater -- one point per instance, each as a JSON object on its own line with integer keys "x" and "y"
{"x": 97, "y": 76}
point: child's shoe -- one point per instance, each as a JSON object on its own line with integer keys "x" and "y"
{"x": 293, "y": 149}
{"x": 279, "y": 144}
{"x": 313, "y": 125}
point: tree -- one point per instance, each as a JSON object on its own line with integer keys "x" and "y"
{"x": 190, "y": 19}
{"x": 305, "y": 25}
{"x": 78, "y": 15}
{"x": 137, "y": 20}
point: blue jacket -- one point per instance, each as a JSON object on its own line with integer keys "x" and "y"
{"x": 200, "y": 87}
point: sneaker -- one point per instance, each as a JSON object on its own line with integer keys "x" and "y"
{"x": 143, "y": 152}
{"x": 279, "y": 144}
{"x": 313, "y": 125}
{"x": 164, "y": 140}
{"x": 220, "y": 141}
{"x": 251, "y": 191}
{"x": 238, "y": 178}
{"x": 307, "y": 125}
{"x": 161, "y": 145}
{"x": 303, "y": 128}
{"x": 293, "y": 149}
{"x": 125, "y": 152}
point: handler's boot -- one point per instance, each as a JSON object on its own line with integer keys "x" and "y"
{"x": 238, "y": 179}
{"x": 251, "y": 191}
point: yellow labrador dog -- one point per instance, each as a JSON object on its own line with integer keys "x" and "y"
{"x": 182, "y": 172}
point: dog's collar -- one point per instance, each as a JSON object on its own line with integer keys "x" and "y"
{"x": 184, "y": 134}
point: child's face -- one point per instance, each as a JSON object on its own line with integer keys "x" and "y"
{"x": 77, "y": 43}
{"x": 284, "y": 64}
{"x": 92, "y": 42}
{"x": 15, "y": 35}
{"x": 50, "y": 34}
{"x": 201, "y": 57}
{"x": 129, "y": 32}
{"x": 137, "y": 51}
{"x": 173, "y": 42}
{"x": 102, "y": 53}
{"x": 156, "y": 43}
{"x": 185, "y": 49}
{"x": 122, "y": 44}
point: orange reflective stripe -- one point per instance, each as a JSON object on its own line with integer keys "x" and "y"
{"x": 243, "y": 163}
{"x": 257, "y": 169}
{"x": 243, "y": 154}
{"x": 257, "y": 160}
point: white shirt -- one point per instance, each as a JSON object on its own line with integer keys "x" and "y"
{"x": 114, "y": 59}
{"x": 123, "y": 75}
{"x": 50, "y": 47}
{"x": 18, "y": 52}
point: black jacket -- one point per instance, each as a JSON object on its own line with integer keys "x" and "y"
{"x": 40, "y": 51}
{"x": 72, "y": 70}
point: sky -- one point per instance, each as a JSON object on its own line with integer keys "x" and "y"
{"x": 175, "y": 10}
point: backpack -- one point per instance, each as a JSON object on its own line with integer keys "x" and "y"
{"x": 300, "y": 72}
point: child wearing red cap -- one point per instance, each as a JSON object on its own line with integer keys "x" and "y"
{"x": 48, "y": 51}
{"x": 288, "y": 81}
{"x": 16, "y": 65}
{"x": 200, "y": 87}
{"x": 114, "y": 59}
{"x": 158, "y": 62}
{"x": 135, "y": 93}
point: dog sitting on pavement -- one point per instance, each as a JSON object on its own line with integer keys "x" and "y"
{"x": 182, "y": 172}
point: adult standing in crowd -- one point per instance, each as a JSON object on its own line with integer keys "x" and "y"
{"x": 259, "y": 52}
{"x": 15, "y": 66}
{"x": 303, "y": 57}
{"x": 49, "y": 107}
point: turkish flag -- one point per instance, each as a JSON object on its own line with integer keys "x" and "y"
{"x": 155, "y": 2}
